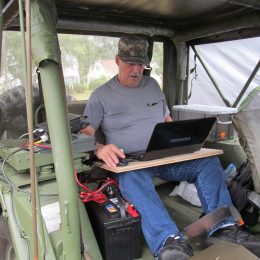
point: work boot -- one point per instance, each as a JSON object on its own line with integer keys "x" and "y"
{"x": 175, "y": 249}
{"x": 237, "y": 235}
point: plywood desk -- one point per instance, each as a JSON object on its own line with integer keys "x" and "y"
{"x": 135, "y": 165}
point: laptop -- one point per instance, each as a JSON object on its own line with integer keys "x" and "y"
{"x": 176, "y": 138}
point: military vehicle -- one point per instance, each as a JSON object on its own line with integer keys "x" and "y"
{"x": 41, "y": 213}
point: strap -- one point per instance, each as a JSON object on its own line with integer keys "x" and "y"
{"x": 120, "y": 203}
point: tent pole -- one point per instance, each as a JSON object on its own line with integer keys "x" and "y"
{"x": 251, "y": 77}
{"x": 211, "y": 78}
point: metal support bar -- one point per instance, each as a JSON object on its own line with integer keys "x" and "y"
{"x": 1, "y": 32}
{"x": 247, "y": 3}
{"x": 56, "y": 112}
{"x": 46, "y": 54}
{"x": 98, "y": 26}
{"x": 180, "y": 92}
{"x": 251, "y": 77}
{"x": 29, "y": 106}
{"x": 169, "y": 78}
{"x": 22, "y": 32}
{"x": 211, "y": 78}
{"x": 186, "y": 81}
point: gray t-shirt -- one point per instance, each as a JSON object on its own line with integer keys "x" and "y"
{"x": 127, "y": 115}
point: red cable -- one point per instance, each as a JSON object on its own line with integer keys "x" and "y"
{"x": 44, "y": 146}
{"x": 90, "y": 195}
{"x": 26, "y": 145}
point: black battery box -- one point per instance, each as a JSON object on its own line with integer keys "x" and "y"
{"x": 118, "y": 231}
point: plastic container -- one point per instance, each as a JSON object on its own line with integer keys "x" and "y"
{"x": 222, "y": 129}
{"x": 230, "y": 172}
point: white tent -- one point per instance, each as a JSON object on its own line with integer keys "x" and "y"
{"x": 231, "y": 64}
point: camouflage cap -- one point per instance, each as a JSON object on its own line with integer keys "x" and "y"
{"x": 133, "y": 49}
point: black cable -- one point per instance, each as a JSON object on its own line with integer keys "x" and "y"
{"x": 195, "y": 75}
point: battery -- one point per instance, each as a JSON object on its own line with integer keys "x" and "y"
{"x": 118, "y": 237}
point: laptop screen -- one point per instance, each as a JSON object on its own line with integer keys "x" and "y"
{"x": 180, "y": 133}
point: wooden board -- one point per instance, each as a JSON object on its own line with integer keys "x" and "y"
{"x": 135, "y": 165}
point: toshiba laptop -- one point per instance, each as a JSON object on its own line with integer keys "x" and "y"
{"x": 175, "y": 138}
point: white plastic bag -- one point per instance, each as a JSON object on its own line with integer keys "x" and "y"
{"x": 188, "y": 192}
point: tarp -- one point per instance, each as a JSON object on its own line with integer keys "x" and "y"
{"x": 230, "y": 63}
{"x": 45, "y": 43}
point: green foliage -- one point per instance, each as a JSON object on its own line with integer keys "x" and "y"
{"x": 11, "y": 70}
{"x": 158, "y": 58}
{"x": 86, "y": 50}
{"x": 77, "y": 89}
{"x": 97, "y": 82}
{"x": 78, "y": 53}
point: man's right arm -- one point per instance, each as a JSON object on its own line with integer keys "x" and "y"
{"x": 109, "y": 153}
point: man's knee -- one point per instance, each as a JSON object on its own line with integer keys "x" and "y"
{"x": 211, "y": 163}
{"x": 135, "y": 181}
{"x": 211, "y": 160}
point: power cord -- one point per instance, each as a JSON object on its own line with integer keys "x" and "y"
{"x": 97, "y": 195}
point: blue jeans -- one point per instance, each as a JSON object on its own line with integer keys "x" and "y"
{"x": 138, "y": 188}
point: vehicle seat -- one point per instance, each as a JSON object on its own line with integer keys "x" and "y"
{"x": 247, "y": 125}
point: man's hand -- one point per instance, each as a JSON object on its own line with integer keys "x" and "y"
{"x": 109, "y": 154}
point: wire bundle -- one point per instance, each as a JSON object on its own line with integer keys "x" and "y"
{"x": 40, "y": 142}
{"x": 97, "y": 195}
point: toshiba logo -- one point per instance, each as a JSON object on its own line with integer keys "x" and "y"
{"x": 182, "y": 139}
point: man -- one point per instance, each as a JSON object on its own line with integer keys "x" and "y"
{"x": 120, "y": 108}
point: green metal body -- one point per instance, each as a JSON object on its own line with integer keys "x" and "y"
{"x": 55, "y": 103}
{"x": 56, "y": 112}
{"x": 51, "y": 246}
{"x": 75, "y": 229}
{"x": 55, "y": 171}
